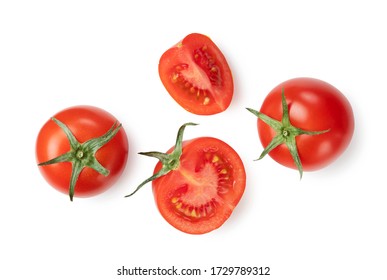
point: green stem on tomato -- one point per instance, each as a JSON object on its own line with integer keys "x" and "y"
{"x": 169, "y": 161}
{"x": 286, "y": 133}
{"x": 82, "y": 155}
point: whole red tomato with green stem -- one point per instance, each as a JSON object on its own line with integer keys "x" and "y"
{"x": 82, "y": 151}
{"x": 197, "y": 76}
{"x": 305, "y": 124}
{"x": 197, "y": 183}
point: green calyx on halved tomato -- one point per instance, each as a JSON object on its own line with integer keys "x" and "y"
{"x": 305, "y": 124}
{"x": 197, "y": 76}
{"x": 197, "y": 183}
{"x": 86, "y": 155}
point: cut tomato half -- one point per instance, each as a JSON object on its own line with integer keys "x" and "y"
{"x": 197, "y": 76}
{"x": 197, "y": 183}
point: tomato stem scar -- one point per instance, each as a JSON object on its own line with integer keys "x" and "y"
{"x": 79, "y": 154}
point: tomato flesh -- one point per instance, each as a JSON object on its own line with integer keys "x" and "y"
{"x": 197, "y": 76}
{"x": 201, "y": 194}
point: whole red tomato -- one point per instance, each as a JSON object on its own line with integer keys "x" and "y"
{"x": 82, "y": 151}
{"x": 197, "y": 76}
{"x": 305, "y": 123}
{"x": 197, "y": 183}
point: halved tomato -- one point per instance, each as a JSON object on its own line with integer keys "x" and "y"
{"x": 197, "y": 183}
{"x": 197, "y": 75}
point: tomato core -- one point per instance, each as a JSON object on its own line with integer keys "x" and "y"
{"x": 193, "y": 81}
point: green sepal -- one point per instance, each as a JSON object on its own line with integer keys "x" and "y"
{"x": 82, "y": 155}
{"x": 286, "y": 133}
{"x": 169, "y": 161}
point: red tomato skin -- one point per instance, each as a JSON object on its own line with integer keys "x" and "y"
{"x": 182, "y": 53}
{"x": 313, "y": 105}
{"x": 164, "y": 187}
{"x": 85, "y": 122}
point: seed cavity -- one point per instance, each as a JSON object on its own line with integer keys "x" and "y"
{"x": 175, "y": 77}
{"x": 194, "y": 212}
{"x": 199, "y": 94}
{"x": 205, "y": 209}
{"x": 209, "y": 65}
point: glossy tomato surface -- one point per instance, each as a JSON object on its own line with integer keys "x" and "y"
{"x": 197, "y": 76}
{"x": 314, "y": 105}
{"x": 201, "y": 194}
{"x": 85, "y": 122}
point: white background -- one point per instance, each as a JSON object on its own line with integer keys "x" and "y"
{"x": 56, "y": 54}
